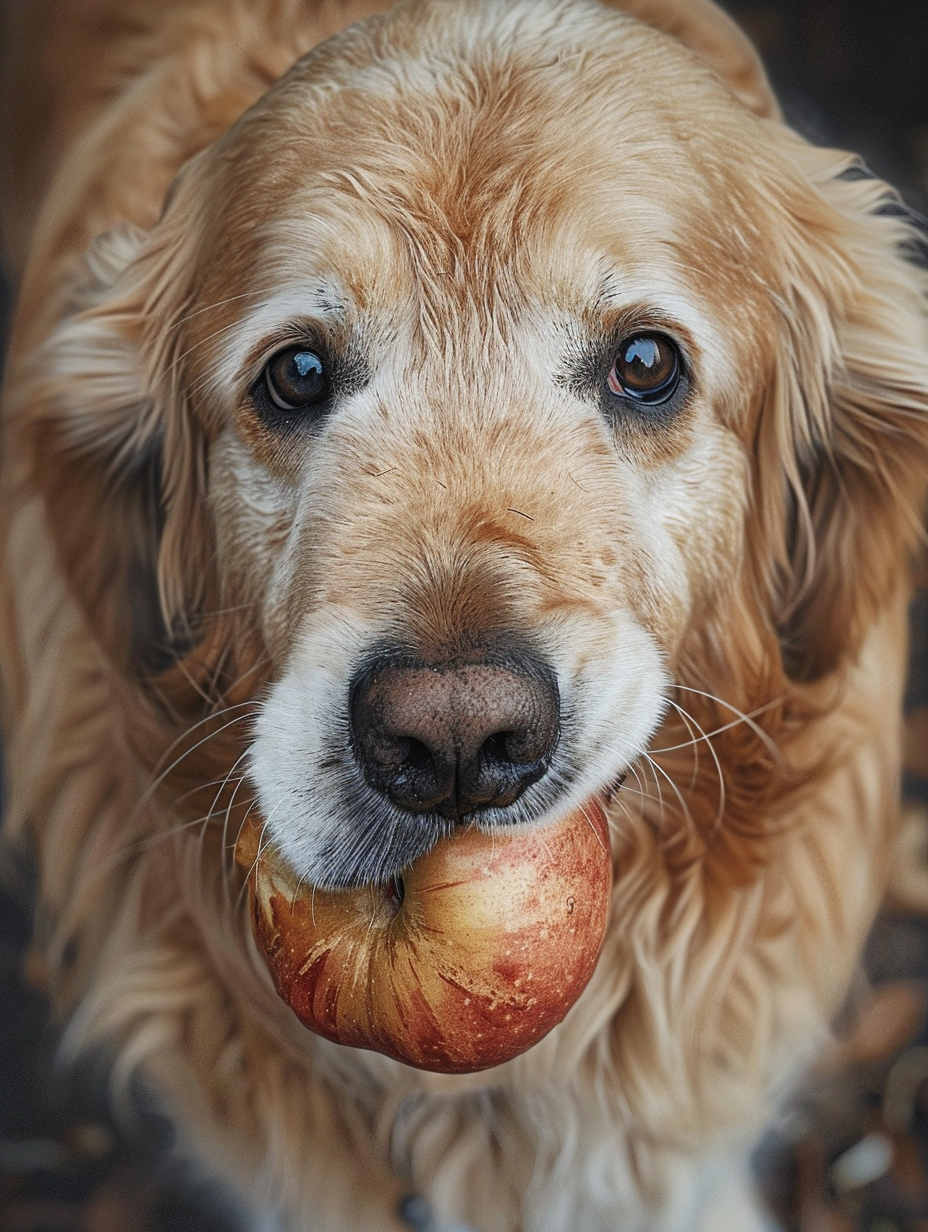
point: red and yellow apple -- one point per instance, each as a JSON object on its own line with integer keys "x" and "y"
{"x": 482, "y": 949}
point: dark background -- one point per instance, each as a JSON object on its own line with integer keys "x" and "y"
{"x": 854, "y": 74}
{"x": 850, "y": 74}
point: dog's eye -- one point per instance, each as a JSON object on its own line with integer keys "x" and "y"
{"x": 296, "y": 379}
{"x": 647, "y": 369}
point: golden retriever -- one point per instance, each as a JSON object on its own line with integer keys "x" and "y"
{"x": 512, "y": 333}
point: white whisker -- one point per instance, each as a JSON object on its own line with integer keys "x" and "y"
{"x": 681, "y": 799}
{"x": 742, "y": 717}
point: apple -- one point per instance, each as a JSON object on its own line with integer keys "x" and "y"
{"x": 466, "y": 961}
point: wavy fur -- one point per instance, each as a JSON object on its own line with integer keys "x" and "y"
{"x": 168, "y": 561}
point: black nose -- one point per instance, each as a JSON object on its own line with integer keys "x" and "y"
{"x": 454, "y": 738}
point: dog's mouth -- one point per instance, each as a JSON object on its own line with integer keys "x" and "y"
{"x": 395, "y": 892}
{"x": 460, "y": 962}
{"x": 612, "y": 790}
{"x": 363, "y": 768}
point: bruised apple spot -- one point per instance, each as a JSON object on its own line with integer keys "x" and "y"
{"x": 465, "y": 962}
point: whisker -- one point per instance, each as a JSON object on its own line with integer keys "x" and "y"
{"x": 742, "y": 717}
{"x": 140, "y": 845}
{"x": 693, "y": 743}
{"x": 589, "y": 821}
{"x": 227, "y": 818}
{"x": 630, "y": 817}
{"x": 650, "y": 765}
{"x": 243, "y": 889}
{"x": 717, "y": 731}
{"x": 179, "y": 359}
{"x": 681, "y": 799}
{"x": 219, "y": 303}
{"x": 720, "y": 775}
{"x": 152, "y": 788}
{"x": 641, "y": 790}
{"x": 263, "y": 844}
{"x": 209, "y": 613}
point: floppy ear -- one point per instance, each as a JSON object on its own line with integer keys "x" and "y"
{"x": 715, "y": 39}
{"x": 841, "y": 453}
{"x": 118, "y": 458}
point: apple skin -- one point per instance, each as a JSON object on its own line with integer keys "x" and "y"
{"x": 494, "y": 940}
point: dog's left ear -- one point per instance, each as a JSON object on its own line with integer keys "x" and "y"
{"x": 715, "y": 39}
{"x": 841, "y": 452}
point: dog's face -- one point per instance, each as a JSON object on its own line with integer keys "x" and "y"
{"x": 478, "y": 317}
{"x": 475, "y": 460}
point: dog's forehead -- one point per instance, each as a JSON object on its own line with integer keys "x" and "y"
{"x": 470, "y": 131}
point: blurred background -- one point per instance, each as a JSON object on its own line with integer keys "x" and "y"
{"x": 852, "y": 1156}
{"x": 852, "y": 74}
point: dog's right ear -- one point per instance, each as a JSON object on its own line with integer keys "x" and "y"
{"x": 118, "y": 460}
{"x": 715, "y": 39}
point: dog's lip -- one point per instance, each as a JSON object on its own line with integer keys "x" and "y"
{"x": 254, "y": 842}
{"x": 612, "y": 789}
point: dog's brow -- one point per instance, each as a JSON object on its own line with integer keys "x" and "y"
{"x": 220, "y": 303}
{"x": 314, "y": 301}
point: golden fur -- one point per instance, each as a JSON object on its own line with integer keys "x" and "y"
{"x": 475, "y": 190}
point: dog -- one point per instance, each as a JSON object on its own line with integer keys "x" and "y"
{"x": 515, "y": 340}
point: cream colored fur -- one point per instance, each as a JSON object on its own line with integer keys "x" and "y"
{"x": 475, "y": 189}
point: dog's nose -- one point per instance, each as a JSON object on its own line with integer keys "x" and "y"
{"x": 451, "y": 739}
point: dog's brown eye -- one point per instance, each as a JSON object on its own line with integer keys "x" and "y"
{"x": 296, "y": 379}
{"x": 647, "y": 369}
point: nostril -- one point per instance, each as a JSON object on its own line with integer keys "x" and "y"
{"x": 515, "y": 748}
{"x": 418, "y": 757}
{"x": 496, "y": 747}
{"x": 505, "y": 765}
{"x": 523, "y": 746}
{"x": 386, "y": 753}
